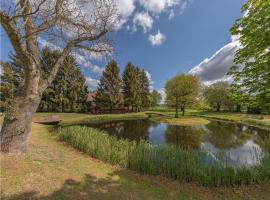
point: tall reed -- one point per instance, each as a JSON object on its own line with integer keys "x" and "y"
{"x": 169, "y": 161}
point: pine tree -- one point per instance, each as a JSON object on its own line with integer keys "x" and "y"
{"x": 144, "y": 90}
{"x": 131, "y": 88}
{"x": 109, "y": 92}
{"x": 68, "y": 91}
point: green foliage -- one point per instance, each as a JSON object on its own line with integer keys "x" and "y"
{"x": 169, "y": 161}
{"x": 8, "y": 87}
{"x": 144, "y": 89}
{"x": 131, "y": 88}
{"x": 155, "y": 98}
{"x": 252, "y": 70}
{"x": 182, "y": 91}
{"x": 68, "y": 91}
{"x": 109, "y": 92}
{"x": 218, "y": 96}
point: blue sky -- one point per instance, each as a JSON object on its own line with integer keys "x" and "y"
{"x": 167, "y": 37}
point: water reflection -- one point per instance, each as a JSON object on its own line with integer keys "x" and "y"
{"x": 240, "y": 143}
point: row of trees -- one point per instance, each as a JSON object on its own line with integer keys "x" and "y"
{"x": 67, "y": 93}
{"x": 131, "y": 91}
{"x": 225, "y": 96}
{"x": 186, "y": 91}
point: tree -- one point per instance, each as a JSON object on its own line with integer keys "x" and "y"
{"x": 68, "y": 91}
{"x": 217, "y": 95}
{"x": 252, "y": 70}
{"x": 9, "y": 85}
{"x": 155, "y": 98}
{"x": 144, "y": 89}
{"x": 131, "y": 87}
{"x": 109, "y": 91}
{"x": 182, "y": 91}
{"x": 63, "y": 23}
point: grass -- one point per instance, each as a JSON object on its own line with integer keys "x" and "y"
{"x": 262, "y": 121}
{"x": 54, "y": 170}
{"x": 80, "y": 118}
{"x": 182, "y": 121}
{"x": 256, "y": 120}
{"x": 169, "y": 161}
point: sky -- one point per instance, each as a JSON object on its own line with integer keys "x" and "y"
{"x": 166, "y": 38}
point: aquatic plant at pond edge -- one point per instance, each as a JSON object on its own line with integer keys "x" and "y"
{"x": 169, "y": 161}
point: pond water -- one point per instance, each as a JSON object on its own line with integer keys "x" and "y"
{"x": 241, "y": 143}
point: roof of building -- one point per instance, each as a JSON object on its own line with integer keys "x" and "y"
{"x": 91, "y": 97}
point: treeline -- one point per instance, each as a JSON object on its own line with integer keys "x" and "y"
{"x": 187, "y": 91}
{"x": 228, "y": 97}
{"x": 132, "y": 91}
{"x": 67, "y": 93}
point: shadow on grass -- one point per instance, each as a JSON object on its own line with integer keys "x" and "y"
{"x": 89, "y": 188}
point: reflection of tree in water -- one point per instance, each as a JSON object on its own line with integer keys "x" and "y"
{"x": 185, "y": 137}
{"x": 130, "y": 129}
{"x": 226, "y": 135}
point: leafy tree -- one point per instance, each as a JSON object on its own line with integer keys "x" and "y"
{"x": 64, "y": 23}
{"x": 252, "y": 70}
{"x": 217, "y": 95}
{"x": 131, "y": 87}
{"x": 109, "y": 91}
{"x": 155, "y": 98}
{"x": 182, "y": 91}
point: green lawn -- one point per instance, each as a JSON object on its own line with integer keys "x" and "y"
{"x": 54, "y": 170}
{"x": 251, "y": 119}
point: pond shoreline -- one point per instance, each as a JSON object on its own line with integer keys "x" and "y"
{"x": 263, "y": 127}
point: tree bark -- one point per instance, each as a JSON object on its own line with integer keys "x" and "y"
{"x": 17, "y": 124}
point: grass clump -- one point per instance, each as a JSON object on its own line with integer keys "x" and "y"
{"x": 169, "y": 161}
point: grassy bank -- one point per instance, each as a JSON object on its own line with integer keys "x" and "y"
{"x": 249, "y": 119}
{"x": 80, "y": 118}
{"x": 182, "y": 121}
{"x": 169, "y": 161}
{"x": 256, "y": 120}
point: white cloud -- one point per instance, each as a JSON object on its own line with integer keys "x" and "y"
{"x": 92, "y": 83}
{"x": 125, "y": 9}
{"x": 158, "y": 6}
{"x": 151, "y": 82}
{"x": 216, "y": 67}
{"x": 156, "y": 39}
{"x": 163, "y": 95}
{"x": 144, "y": 20}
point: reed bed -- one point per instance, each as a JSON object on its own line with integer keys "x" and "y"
{"x": 169, "y": 161}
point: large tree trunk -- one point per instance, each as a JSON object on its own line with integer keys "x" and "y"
{"x": 17, "y": 124}
{"x": 17, "y": 121}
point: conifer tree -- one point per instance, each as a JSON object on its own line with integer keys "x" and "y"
{"x": 131, "y": 88}
{"x": 144, "y": 89}
{"x": 109, "y": 92}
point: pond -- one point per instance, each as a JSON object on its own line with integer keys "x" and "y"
{"x": 241, "y": 143}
